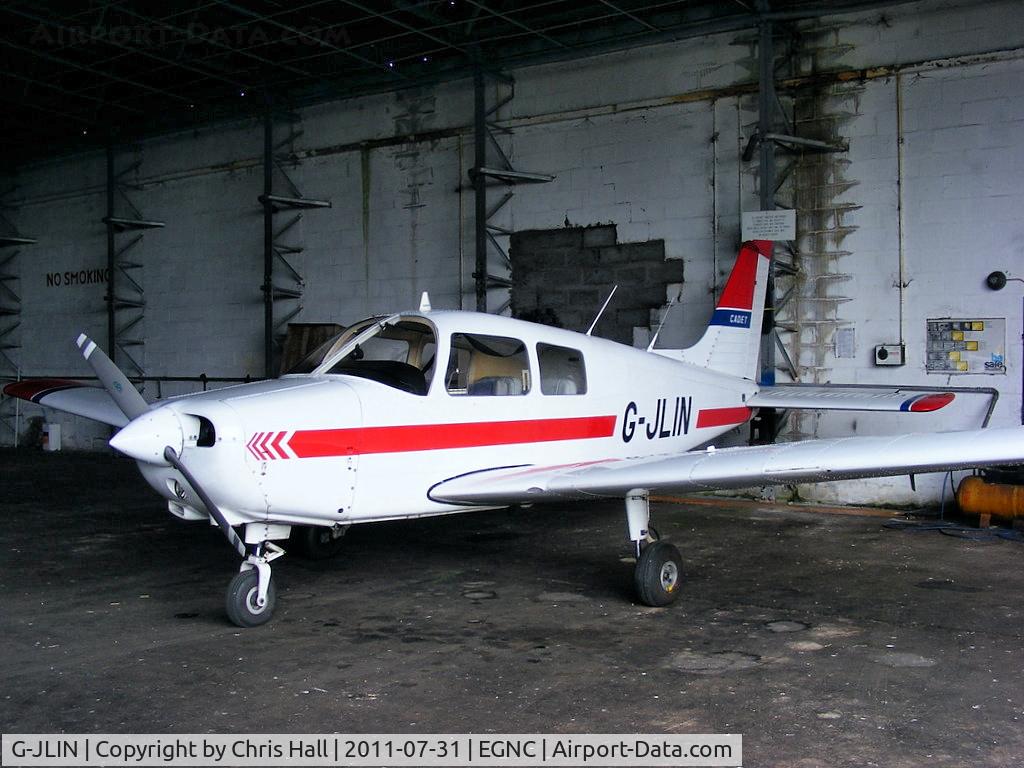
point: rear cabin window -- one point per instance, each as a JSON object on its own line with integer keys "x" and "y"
{"x": 487, "y": 366}
{"x": 562, "y": 371}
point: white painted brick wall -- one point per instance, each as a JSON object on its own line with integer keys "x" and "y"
{"x": 961, "y": 222}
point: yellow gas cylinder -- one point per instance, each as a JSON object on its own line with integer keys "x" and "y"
{"x": 977, "y": 497}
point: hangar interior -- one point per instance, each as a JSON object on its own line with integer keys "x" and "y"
{"x": 184, "y": 185}
{"x": 209, "y": 188}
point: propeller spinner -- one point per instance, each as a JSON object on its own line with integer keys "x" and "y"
{"x": 145, "y": 437}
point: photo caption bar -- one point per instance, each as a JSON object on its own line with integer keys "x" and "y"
{"x": 376, "y": 749}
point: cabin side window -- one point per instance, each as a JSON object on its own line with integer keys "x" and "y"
{"x": 562, "y": 371}
{"x": 487, "y": 365}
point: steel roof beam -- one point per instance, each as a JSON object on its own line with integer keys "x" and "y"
{"x": 188, "y": 34}
{"x": 107, "y": 76}
{"x": 29, "y": 104}
{"x": 73, "y": 94}
{"x": 517, "y": 23}
{"x": 140, "y": 51}
{"x": 306, "y": 36}
{"x": 630, "y": 16}
{"x": 409, "y": 28}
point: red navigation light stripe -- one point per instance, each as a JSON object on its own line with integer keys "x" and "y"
{"x": 317, "y": 443}
{"x": 36, "y": 389}
{"x": 720, "y": 417}
{"x": 928, "y": 403}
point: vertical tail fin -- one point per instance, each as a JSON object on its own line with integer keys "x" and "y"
{"x": 732, "y": 342}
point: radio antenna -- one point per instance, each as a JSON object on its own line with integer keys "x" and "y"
{"x": 664, "y": 317}
{"x": 603, "y": 308}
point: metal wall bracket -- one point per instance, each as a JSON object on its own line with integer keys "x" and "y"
{"x": 124, "y": 225}
{"x": 776, "y": 135}
{"x": 126, "y": 294}
{"x": 791, "y": 143}
{"x": 7, "y": 241}
{"x": 275, "y": 250}
{"x": 10, "y": 321}
{"x": 282, "y": 203}
{"x": 492, "y": 167}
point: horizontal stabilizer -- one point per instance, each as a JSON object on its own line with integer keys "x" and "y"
{"x": 839, "y": 398}
{"x": 809, "y": 461}
{"x": 70, "y": 396}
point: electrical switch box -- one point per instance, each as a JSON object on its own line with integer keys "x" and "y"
{"x": 890, "y": 354}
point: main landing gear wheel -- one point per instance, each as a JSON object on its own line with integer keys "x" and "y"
{"x": 658, "y": 574}
{"x": 317, "y": 542}
{"x": 241, "y": 600}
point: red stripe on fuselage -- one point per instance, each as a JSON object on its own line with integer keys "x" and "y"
{"x": 317, "y": 443}
{"x": 720, "y": 417}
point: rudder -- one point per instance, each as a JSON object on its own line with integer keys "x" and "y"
{"x": 732, "y": 342}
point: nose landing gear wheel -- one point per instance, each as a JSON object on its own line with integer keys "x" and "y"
{"x": 241, "y": 600}
{"x": 658, "y": 574}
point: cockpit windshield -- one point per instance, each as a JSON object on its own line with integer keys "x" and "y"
{"x": 395, "y": 351}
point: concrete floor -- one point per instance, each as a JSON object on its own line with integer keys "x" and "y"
{"x": 825, "y": 640}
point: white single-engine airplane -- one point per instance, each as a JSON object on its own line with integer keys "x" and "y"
{"x": 438, "y": 412}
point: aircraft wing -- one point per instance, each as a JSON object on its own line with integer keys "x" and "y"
{"x": 808, "y": 461}
{"x": 840, "y": 398}
{"x": 71, "y": 396}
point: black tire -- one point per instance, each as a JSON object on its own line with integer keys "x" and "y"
{"x": 317, "y": 542}
{"x": 658, "y": 574}
{"x": 241, "y": 601}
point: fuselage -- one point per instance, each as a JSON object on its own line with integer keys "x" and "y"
{"x": 369, "y": 440}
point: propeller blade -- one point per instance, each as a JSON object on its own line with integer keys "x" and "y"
{"x": 114, "y": 381}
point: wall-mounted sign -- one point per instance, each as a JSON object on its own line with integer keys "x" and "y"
{"x": 846, "y": 346}
{"x": 966, "y": 345}
{"x": 769, "y": 225}
{"x": 80, "y": 277}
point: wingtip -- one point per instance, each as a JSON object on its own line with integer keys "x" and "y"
{"x": 928, "y": 403}
{"x": 82, "y": 340}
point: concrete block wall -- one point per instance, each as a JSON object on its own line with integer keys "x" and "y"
{"x": 647, "y": 140}
{"x": 570, "y": 272}
{"x": 648, "y": 173}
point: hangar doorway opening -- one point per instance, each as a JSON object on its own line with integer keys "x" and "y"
{"x": 562, "y": 276}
